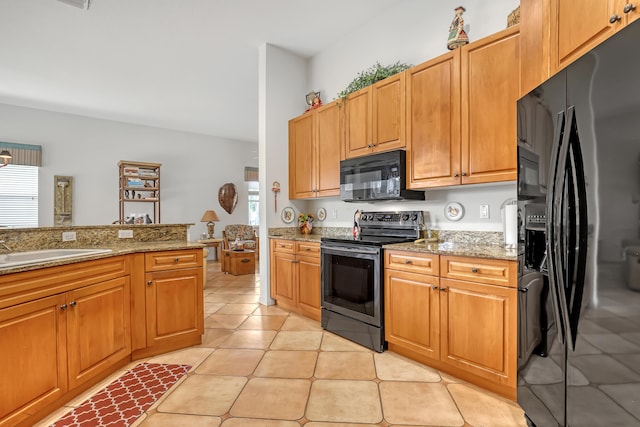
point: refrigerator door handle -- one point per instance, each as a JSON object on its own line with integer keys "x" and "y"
{"x": 552, "y": 226}
{"x": 580, "y": 230}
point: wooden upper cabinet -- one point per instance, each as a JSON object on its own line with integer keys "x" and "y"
{"x": 315, "y": 144}
{"x": 554, "y": 33}
{"x": 329, "y": 125}
{"x": 358, "y": 139}
{"x": 388, "y": 98}
{"x": 433, "y": 122}
{"x": 375, "y": 118}
{"x": 579, "y": 25}
{"x": 301, "y": 176}
{"x": 490, "y": 90}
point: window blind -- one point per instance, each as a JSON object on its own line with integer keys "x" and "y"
{"x": 18, "y": 196}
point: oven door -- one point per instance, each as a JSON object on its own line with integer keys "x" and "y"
{"x": 351, "y": 285}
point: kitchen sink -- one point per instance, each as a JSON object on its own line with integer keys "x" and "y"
{"x": 14, "y": 259}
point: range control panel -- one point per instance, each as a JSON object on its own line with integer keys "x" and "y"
{"x": 405, "y": 218}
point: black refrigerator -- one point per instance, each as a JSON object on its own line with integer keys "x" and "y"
{"x": 579, "y": 241}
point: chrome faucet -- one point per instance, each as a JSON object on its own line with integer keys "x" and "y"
{"x": 2, "y": 244}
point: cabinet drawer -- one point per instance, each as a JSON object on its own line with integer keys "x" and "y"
{"x": 307, "y": 248}
{"x": 171, "y": 260}
{"x": 490, "y": 271}
{"x": 285, "y": 246}
{"x": 412, "y": 261}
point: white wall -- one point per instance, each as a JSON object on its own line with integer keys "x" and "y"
{"x": 282, "y": 77}
{"x": 193, "y": 168}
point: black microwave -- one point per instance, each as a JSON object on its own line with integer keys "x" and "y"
{"x": 376, "y": 177}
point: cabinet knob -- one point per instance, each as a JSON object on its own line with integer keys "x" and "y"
{"x": 455, "y": 175}
{"x": 176, "y": 259}
{"x": 373, "y": 145}
{"x": 149, "y": 282}
{"x": 629, "y": 7}
{"x": 407, "y": 261}
{"x": 434, "y": 287}
{"x": 368, "y": 145}
{"x": 307, "y": 249}
{"x": 614, "y": 18}
{"x": 72, "y": 304}
{"x": 63, "y": 307}
{"x": 245, "y": 260}
{"x": 474, "y": 270}
{"x": 443, "y": 289}
{"x": 464, "y": 174}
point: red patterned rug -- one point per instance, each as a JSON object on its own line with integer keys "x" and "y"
{"x": 124, "y": 400}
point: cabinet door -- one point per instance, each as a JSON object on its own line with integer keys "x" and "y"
{"x": 490, "y": 90}
{"x": 99, "y": 329}
{"x": 33, "y": 359}
{"x": 388, "y": 108}
{"x": 174, "y": 302}
{"x": 309, "y": 286}
{"x": 577, "y": 26}
{"x": 412, "y": 318}
{"x": 479, "y": 329}
{"x": 301, "y": 173}
{"x": 284, "y": 275}
{"x": 358, "y": 139}
{"x": 433, "y": 122}
{"x": 329, "y": 141}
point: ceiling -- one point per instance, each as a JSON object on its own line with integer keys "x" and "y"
{"x": 188, "y": 65}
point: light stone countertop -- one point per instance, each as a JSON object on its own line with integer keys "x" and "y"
{"x": 458, "y": 249}
{"x": 116, "y": 250}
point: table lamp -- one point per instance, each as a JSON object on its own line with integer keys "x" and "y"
{"x": 209, "y": 217}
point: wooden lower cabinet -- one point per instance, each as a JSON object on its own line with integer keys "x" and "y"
{"x": 98, "y": 328}
{"x": 462, "y": 327}
{"x": 169, "y": 301}
{"x": 295, "y": 276}
{"x": 33, "y": 360}
{"x": 64, "y": 328}
{"x": 60, "y": 343}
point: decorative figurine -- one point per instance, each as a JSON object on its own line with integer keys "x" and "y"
{"x": 457, "y": 35}
{"x": 313, "y": 100}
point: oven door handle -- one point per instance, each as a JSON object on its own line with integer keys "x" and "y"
{"x": 339, "y": 250}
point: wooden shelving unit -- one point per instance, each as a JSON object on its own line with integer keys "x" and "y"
{"x": 139, "y": 183}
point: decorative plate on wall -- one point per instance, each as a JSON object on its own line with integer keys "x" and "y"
{"x": 287, "y": 215}
{"x": 321, "y": 214}
{"x": 453, "y": 211}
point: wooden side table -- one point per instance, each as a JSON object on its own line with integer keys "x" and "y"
{"x": 238, "y": 262}
{"x": 216, "y": 244}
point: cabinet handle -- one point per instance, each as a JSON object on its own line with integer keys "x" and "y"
{"x": 443, "y": 289}
{"x": 407, "y": 261}
{"x": 244, "y": 260}
{"x": 474, "y": 270}
{"x": 629, "y": 7}
{"x": 434, "y": 287}
{"x": 614, "y": 18}
{"x": 373, "y": 145}
{"x": 176, "y": 259}
{"x": 63, "y": 307}
{"x": 455, "y": 175}
{"x": 464, "y": 174}
{"x": 150, "y": 282}
{"x": 307, "y": 249}
{"x": 72, "y": 304}
{"x": 368, "y": 145}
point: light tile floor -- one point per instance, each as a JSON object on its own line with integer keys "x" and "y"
{"x": 262, "y": 366}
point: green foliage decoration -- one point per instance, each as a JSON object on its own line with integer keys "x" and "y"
{"x": 371, "y": 75}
